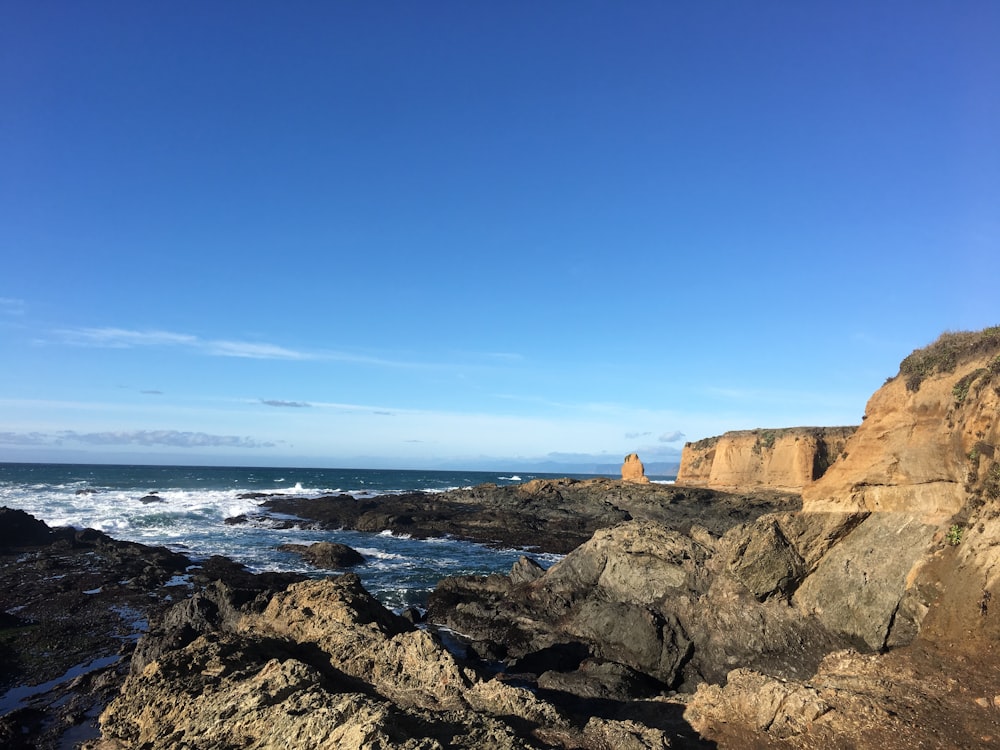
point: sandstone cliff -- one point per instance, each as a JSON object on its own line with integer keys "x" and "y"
{"x": 780, "y": 459}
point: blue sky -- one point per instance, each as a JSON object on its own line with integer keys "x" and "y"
{"x": 399, "y": 234}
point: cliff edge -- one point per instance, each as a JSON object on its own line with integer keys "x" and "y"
{"x": 928, "y": 435}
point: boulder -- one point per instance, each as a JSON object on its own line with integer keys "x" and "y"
{"x": 328, "y": 555}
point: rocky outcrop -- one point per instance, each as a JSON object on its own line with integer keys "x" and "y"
{"x": 325, "y": 665}
{"x": 73, "y": 602}
{"x": 779, "y": 459}
{"x": 670, "y": 609}
{"x": 895, "y": 548}
{"x": 549, "y": 515}
{"x": 633, "y": 470}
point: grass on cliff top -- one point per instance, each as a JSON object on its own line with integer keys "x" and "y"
{"x": 948, "y": 352}
{"x": 767, "y": 436}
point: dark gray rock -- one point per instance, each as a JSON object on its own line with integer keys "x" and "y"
{"x": 765, "y": 562}
{"x": 327, "y": 555}
{"x": 525, "y": 570}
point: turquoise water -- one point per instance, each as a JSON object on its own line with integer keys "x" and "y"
{"x": 196, "y": 501}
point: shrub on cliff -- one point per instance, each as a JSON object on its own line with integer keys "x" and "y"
{"x": 948, "y": 352}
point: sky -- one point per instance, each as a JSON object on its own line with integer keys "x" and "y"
{"x": 480, "y": 235}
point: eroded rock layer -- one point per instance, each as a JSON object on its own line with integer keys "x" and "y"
{"x": 780, "y": 459}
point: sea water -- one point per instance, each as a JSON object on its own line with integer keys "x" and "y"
{"x": 195, "y": 501}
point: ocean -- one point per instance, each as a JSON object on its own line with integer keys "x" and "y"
{"x": 399, "y": 571}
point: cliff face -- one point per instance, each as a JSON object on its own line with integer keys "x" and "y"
{"x": 784, "y": 459}
{"x": 920, "y": 449}
{"x": 923, "y": 472}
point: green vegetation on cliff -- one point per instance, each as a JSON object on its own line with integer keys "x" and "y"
{"x": 948, "y": 352}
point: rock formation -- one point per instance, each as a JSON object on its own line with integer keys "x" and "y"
{"x": 323, "y": 664}
{"x": 633, "y": 470}
{"x": 550, "y": 515}
{"x": 780, "y": 459}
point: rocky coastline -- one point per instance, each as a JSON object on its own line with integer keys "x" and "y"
{"x": 859, "y": 612}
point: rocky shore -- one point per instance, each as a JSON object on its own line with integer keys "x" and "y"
{"x": 858, "y": 614}
{"x": 545, "y": 515}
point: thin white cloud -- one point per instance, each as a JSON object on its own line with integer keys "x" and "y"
{"x": 11, "y": 306}
{"x": 25, "y": 438}
{"x": 287, "y": 404}
{"x": 121, "y": 338}
{"x": 634, "y": 435}
{"x": 671, "y": 437}
{"x": 171, "y": 438}
{"x": 250, "y": 350}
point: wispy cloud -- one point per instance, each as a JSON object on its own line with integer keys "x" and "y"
{"x": 172, "y": 438}
{"x": 25, "y": 438}
{"x": 123, "y": 338}
{"x": 671, "y": 437}
{"x": 250, "y": 350}
{"x": 288, "y": 404}
{"x": 11, "y": 306}
{"x": 634, "y": 435}
{"x": 152, "y": 393}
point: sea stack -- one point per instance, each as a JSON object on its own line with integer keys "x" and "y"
{"x": 633, "y": 470}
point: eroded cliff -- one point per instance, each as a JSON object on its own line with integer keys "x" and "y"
{"x": 778, "y": 459}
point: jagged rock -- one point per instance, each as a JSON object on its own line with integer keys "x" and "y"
{"x": 765, "y": 562}
{"x": 780, "y": 709}
{"x": 633, "y": 470}
{"x": 595, "y": 678}
{"x": 325, "y": 665}
{"x": 328, "y": 555}
{"x": 525, "y": 570}
{"x": 548, "y": 515}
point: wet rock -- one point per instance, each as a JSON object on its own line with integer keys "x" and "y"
{"x": 550, "y": 515}
{"x": 328, "y": 555}
{"x": 150, "y": 499}
{"x": 19, "y": 529}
